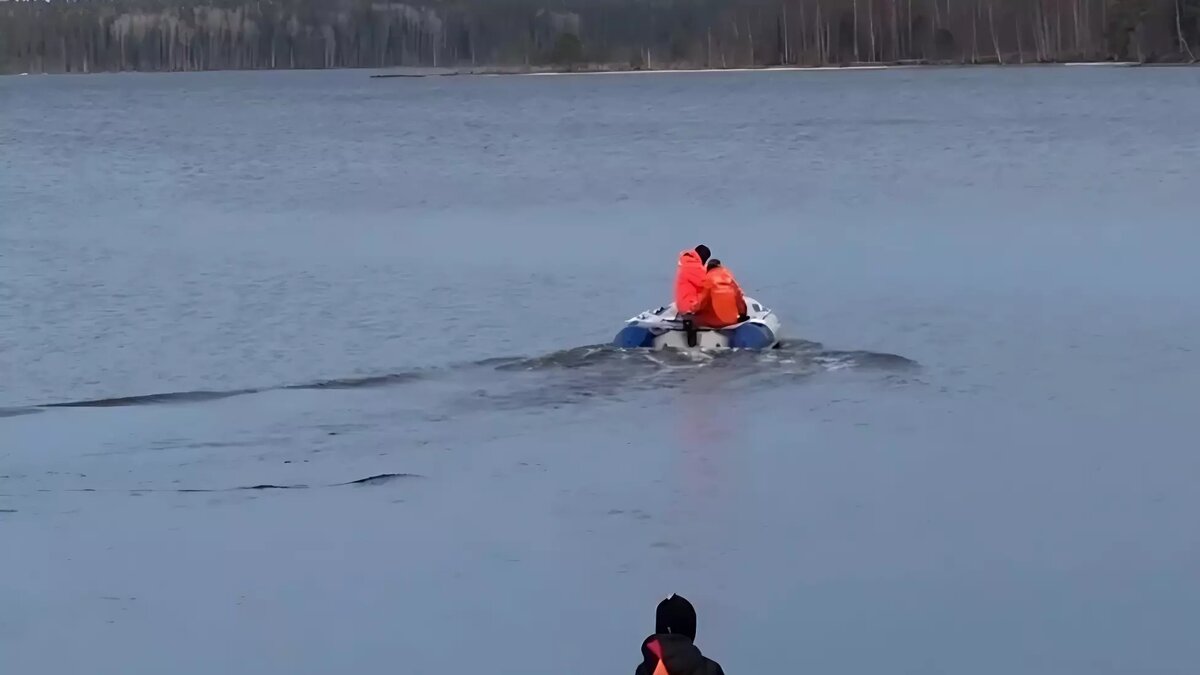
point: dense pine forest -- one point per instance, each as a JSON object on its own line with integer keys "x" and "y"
{"x": 83, "y": 36}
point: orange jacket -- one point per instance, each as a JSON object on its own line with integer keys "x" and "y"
{"x": 689, "y": 282}
{"x": 721, "y": 302}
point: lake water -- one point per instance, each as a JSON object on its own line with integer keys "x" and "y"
{"x": 974, "y": 454}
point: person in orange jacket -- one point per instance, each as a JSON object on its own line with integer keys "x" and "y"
{"x": 721, "y": 300}
{"x": 689, "y": 279}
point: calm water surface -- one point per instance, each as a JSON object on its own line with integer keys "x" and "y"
{"x": 301, "y": 372}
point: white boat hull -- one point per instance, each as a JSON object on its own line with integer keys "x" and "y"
{"x": 662, "y": 328}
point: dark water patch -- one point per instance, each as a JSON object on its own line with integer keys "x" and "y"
{"x": 240, "y": 488}
{"x": 339, "y": 429}
{"x": 214, "y": 445}
{"x": 181, "y": 444}
{"x": 378, "y": 479}
{"x": 578, "y": 357}
{"x": 16, "y": 412}
{"x": 565, "y": 377}
{"x": 498, "y": 362}
{"x": 835, "y": 360}
{"x": 389, "y": 379}
{"x": 8, "y": 510}
{"x": 799, "y": 346}
{"x": 153, "y": 399}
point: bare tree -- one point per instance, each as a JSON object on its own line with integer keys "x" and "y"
{"x": 992, "y": 27}
{"x": 107, "y": 35}
{"x": 1183, "y": 43}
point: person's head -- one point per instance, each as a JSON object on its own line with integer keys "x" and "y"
{"x": 703, "y": 252}
{"x": 714, "y": 264}
{"x": 675, "y": 616}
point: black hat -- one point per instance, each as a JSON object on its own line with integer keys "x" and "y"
{"x": 713, "y": 263}
{"x": 676, "y": 616}
{"x": 703, "y": 252}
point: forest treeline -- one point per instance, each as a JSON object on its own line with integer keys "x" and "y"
{"x": 173, "y": 35}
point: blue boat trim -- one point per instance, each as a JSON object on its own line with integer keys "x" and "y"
{"x": 634, "y": 337}
{"x": 751, "y": 336}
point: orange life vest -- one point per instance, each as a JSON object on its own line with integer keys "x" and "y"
{"x": 689, "y": 282}
{"x": 721, "y": 302}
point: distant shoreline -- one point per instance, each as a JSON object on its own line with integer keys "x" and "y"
{"x": 596, "y": 70}
{"x": 404, "y": 72}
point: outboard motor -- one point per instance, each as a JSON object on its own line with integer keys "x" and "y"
{"x": 689, "y": 329}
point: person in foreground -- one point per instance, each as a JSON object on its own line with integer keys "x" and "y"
{"x": 689, "y": 278}
{"x": 721, "y": 301}
{"x": 671, "y": 650}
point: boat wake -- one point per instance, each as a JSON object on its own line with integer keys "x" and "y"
{"x": 369, "y": 481}
{"x": 15, "y": 412}
{"x": 152, "y": 399}
{"x": 568, "y": 376}
{"x": 789, "y": 356}
{"x": 599, "y": 372}
{"x": 383, "y": 380}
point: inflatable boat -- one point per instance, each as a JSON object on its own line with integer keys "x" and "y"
{"x": 663, "y": 328}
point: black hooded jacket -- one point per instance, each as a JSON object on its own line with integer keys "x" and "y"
{"x": 679, "y": 655}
